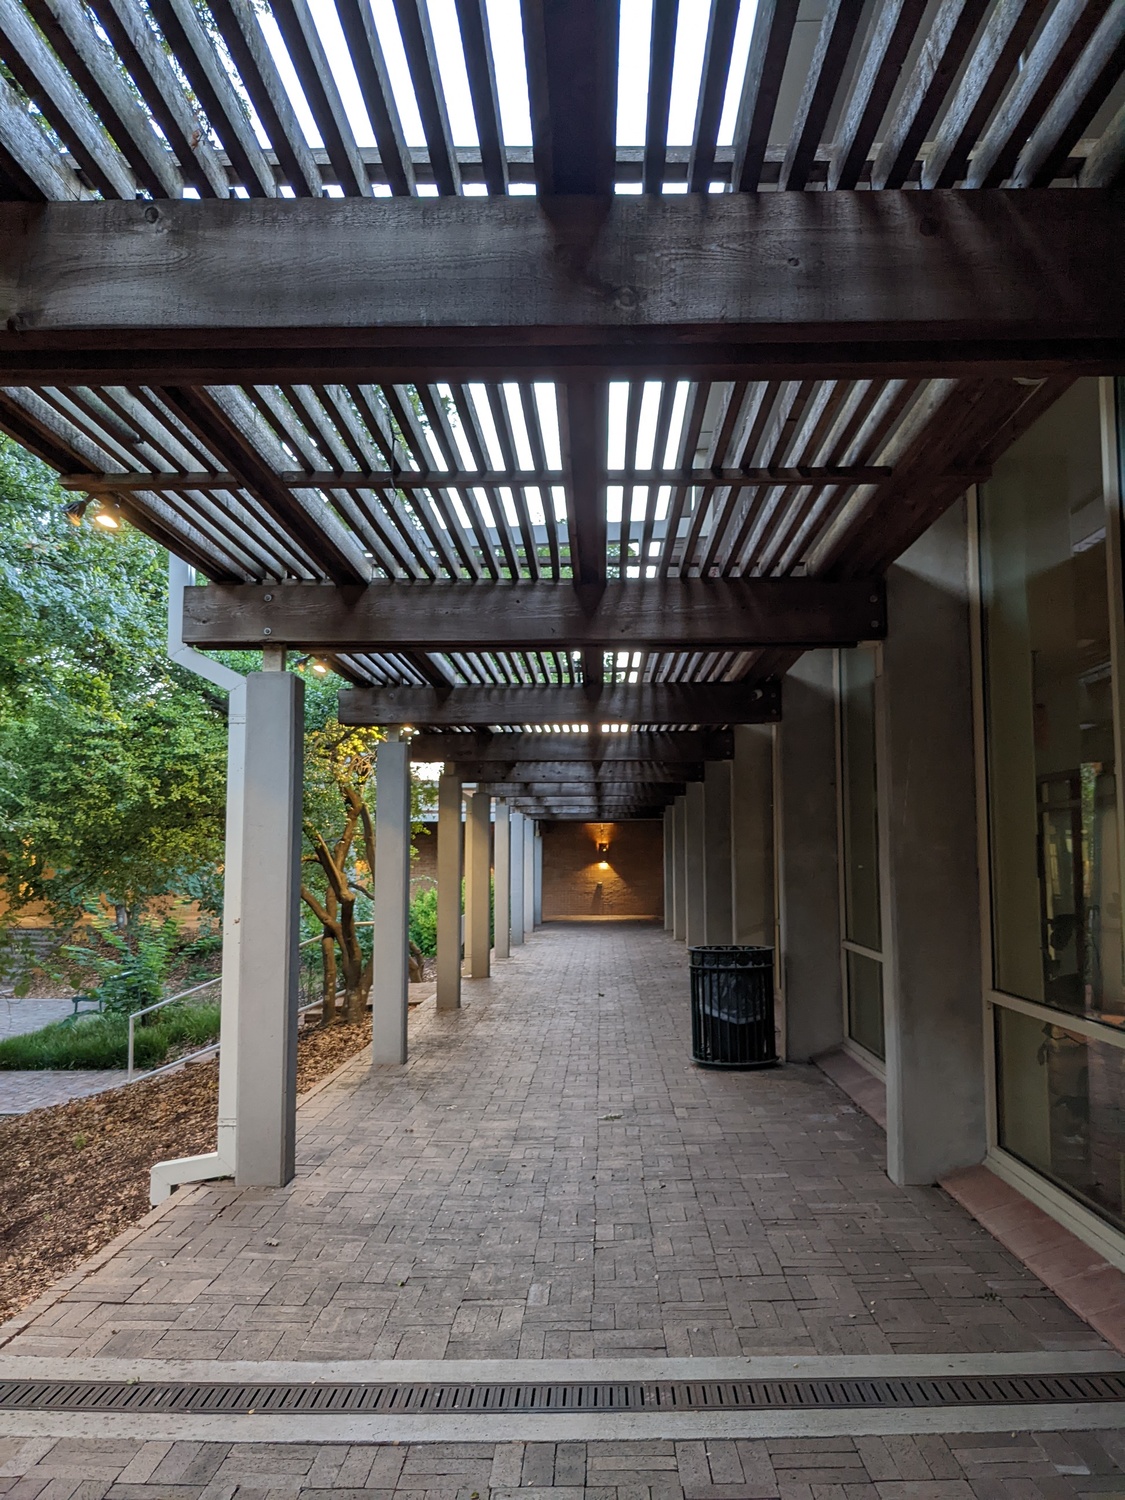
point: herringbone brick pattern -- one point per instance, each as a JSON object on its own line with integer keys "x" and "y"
{"x": 550, "y": 1176}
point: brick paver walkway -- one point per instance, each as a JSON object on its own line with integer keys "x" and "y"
{"x": 551, "y": 1177}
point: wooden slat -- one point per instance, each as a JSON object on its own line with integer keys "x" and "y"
{"x": 765, "y": 65}
{"x": 43, "y": 78}
{"x": 668, "y": 747}
{"x": 571, "y": 53}
{"x": 91, "y": 64}
{"x": 982, "y": 85}
{"x": 195, "y": 52}
{"x": 252, "y": 57}
{"x": 1056, "y": 50}
{"x": 29, "y": 165}
{"x": 1094, "y": 75}
{"x": 837, "y": 31}
{"x": 302, "y": 42}
{"x": 884, "y": 54}
{"x": 943, "y": 51}
{"x": 709, "y": 279}
{"x": 421, "y": 58}
{"x": 545, "y": 775}
{"x": 661, "y": 55}
{"x": 340, "y": 559}
{"x": 712, "y": 91}
{"x": 357, "y": 21}
{"x": 139, "y": 49}
{"x": 693, "y": 614}
{"x": 476, "y": 43}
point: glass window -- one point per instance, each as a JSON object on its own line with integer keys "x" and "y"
{"x": 1061, "y": 1108}
{"x": 1056, "y": 890}
{"x": 862, "y": 924}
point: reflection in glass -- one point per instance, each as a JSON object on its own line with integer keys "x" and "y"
{"x": 865, "y": 1001}
{"x": 1061, "y": 1108}
{"x": 1056, "y": 894}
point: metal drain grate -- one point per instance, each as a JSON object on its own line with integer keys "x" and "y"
{"x": 610, "y": 1396}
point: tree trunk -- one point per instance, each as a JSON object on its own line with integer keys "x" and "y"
{"x": 328, "y": 1013}
{"x": 355, "y": 1004}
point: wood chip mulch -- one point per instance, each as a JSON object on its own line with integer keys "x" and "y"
{"x": 75, "y": 1175}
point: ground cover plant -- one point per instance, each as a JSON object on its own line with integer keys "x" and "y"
{"x": 94, "y": 1040}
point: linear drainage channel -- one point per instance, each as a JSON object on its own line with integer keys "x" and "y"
{"x": 912, "y": 1393}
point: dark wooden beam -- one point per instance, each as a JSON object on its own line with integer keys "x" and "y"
{"x": 668, "y": 747}
{"x": 596, "y": 791}
{"x": 332, "y": 288}
{"x": 570, "y": 47}
{"x": 656, "y": 615}
{"x": 515, "y": 774}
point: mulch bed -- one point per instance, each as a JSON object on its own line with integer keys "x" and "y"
{"x": 75, "y": 1175}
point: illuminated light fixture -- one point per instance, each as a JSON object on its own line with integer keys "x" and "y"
{"x": 319, "y": 668}
{"x": 76, "y": 510}
{"x": 107, "y": 518}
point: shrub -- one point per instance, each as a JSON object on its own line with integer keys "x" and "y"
{"x": 132, "y": 974}
{"x": 423, "y": 921}
{"x": 102, "y": 1041}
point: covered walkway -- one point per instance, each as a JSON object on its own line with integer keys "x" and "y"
{"x": 550, "y": 1177}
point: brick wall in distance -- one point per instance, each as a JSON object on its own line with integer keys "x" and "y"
{"x": 574, "y": 884}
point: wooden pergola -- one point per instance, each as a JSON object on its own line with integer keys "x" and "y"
{"x": 365, "y": 390}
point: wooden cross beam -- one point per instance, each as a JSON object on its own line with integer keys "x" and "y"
{"x": 604, "y": 773}
{"x": 667, "y": 748}
{"x": 692, "y": 614}
{"x": 577, "y": 791}
{"x": 897, "y": 282}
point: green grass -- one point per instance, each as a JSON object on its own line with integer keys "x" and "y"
{"x": 95, "y": 1041}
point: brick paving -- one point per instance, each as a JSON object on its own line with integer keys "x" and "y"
{"x": 38, "y": 1088}
{"x": 550, "y": 1177}
{"x": 985, "y": 1466}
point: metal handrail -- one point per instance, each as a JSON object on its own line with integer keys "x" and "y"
{"x": 187, "y": 1057}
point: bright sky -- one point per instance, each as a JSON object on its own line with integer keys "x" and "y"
{"x": 511, "y": 78}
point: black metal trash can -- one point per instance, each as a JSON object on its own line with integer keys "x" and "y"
{"x": 732, "y": 1007}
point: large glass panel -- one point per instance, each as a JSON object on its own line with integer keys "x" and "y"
{"x": 865, "y": 1001}
{"x": 1056, "y": 891}
{"x": 861, "y": 823}
{"x": 1061, "y": 1108}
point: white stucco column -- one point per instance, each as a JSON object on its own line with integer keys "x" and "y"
{"x": 669, "y": 864}
{"x": 478, "y": 896}
{"x": 717, "y": 915}
{"x": 516, "y": 845}
{"x": 538, "y": 876}
{"x": 389, "y": 991}
{"x": 449, "y": 875}
{"x": 694, "y": 865}
{"x": 528, "y": 876}
{"x": 752, "y": 879}
{"x": 269, "y": 932}
{"x": 679, "y": 867}
{"x": 502, "y": 880}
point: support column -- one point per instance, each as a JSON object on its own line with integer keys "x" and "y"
{"x": 679, "y": 867}
{"x": 502, "y": 881}
{"x": 450, "y": 867}
{"x": 538, "y": 912}
{"x": 810, "y": 896}
{"x": 752, "y": 881}
{"x": 267, "y": 948}
{"x": 390, "y": 988}
{"x": 478, "y": 896}
{"x": 695, "y": 927}
{"x": 931, "y": 945}
{"x": 669, "y": 867}
{"x": 528, "y": 877}
{"x": 516, "y": 845}
{"x": 718, "y": 925}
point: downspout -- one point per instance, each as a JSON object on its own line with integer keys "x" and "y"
{"x": 166, "y": 1175}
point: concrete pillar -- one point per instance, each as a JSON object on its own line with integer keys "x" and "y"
{"x": 752, "y": 880}
{"x": 529, "y": 831}
{"x": 450, "y": 868}
{"x": 694, "y": 834}
{"x": 538, "y": 914}
{"x": 679, "y": 867}
{"x": 516, "y": 845}
{"x": 809, "y": 881}
{"x": 478, "y": 896}
{"x": 669, "y": 868}
{"x": 389, "y": 991}
{"x": 718, "y": 923}
{"x": 267, "y": 956}
{"x": 502, "y": 881}
{"x": 931, "y": 932}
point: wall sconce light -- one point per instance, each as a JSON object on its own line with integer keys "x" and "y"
{"x": 603, "y": 850}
